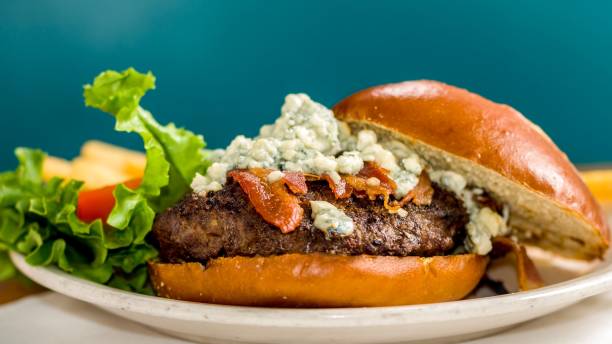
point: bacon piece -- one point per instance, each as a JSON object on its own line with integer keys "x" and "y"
{"x": 360, "y": 185}
{"x": 422, "y": 194}
{"x": 359, "y": 182}
{"x": 262, "y": 173}
{"x": 341, "y": 189}
{"x": 272, "y": 201}
{"x": 311, "y": 177}
{"x": 296, "y": 182}
{"x": 371, "y": 169}
{"x": 527, "y": 274}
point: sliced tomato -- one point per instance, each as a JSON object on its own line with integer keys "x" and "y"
{"x": 98, "y": 203}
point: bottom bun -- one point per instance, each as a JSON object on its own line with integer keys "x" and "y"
{"x": 316, "y": 280}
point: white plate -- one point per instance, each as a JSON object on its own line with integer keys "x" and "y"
{"x": 230, "y": 324}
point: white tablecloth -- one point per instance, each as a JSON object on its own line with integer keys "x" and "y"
{"x": 52, "y": 318}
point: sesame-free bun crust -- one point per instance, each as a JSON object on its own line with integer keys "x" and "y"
{"x": 495, "y": 147}
{"x": 317, "y": 280}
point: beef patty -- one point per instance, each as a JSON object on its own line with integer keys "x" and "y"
{"x": 224, "y": 223}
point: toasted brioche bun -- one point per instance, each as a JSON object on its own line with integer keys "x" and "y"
{"x": 496, "y": 148}
{"x": 316, "y": 280}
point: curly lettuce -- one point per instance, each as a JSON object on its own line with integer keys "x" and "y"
{"x": 38, "y": 218}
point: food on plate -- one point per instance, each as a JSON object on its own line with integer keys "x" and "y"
{"x": 100, "y": 164}
{"x": 399, "y": 194}
{"x": 600, "y": 183}
{"x": 56, "y": 167}
{"x": 40, "y": 218}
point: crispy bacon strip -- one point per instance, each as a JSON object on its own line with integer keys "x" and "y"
{"x": 311, "y": 177}
{"x": 526, "y": 272}
{"x": 361, "y": 188}
{"x": 262, "y": 173}
{"x": 296, "y": 182}
{"x": 371, "y": 169}
{"x": 359, "y": 182}
{"x": 272, "y": 201}
{"x": 341, "y": 189}
{"x": 349, "y": 185}
{"x": 422, "y": 194}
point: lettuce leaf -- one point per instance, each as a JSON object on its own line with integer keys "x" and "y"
{"x": 7, "y": 270}
{"x": 174, "y": 155}
{"x": 38, "y": 218}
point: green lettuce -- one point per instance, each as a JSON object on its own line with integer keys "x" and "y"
{"x": 38, "y": 218}
{"x": 7, "y": 270}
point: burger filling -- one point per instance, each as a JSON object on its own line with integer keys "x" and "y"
{"x": 225, "y": 223}
{"x": 308, "y": 184}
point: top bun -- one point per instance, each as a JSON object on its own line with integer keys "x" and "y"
{"x": 496, "y": 148}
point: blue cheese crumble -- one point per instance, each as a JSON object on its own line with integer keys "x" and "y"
{"x": 330, "y": 219}
{"x": 484, "y": 223}
{"x": 308, "y": 138}
{"x": 275, "y": 176}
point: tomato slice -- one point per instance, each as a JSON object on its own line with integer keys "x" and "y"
{"x": 98, "y": 203}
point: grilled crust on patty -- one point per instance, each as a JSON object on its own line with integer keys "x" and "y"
{"x": 224, "y": 223}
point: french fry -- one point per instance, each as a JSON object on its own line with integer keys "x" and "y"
{"x": 56, "y": 167}
{"x": 600, "y": 184}
{"x": 125, "y": 161}
{"x": 134, "y": 170}
{"x": 99, "y": 165}
{"x": 96, "y": 173}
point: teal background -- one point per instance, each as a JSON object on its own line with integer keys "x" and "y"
{"x": 223, "y": 67}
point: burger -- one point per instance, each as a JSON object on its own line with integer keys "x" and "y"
{"x": 400, "y": 194}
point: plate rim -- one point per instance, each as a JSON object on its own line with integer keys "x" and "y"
{"x": 581, "y": 287}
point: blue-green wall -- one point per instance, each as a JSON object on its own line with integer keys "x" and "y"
{"x": 223, "y": 67}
